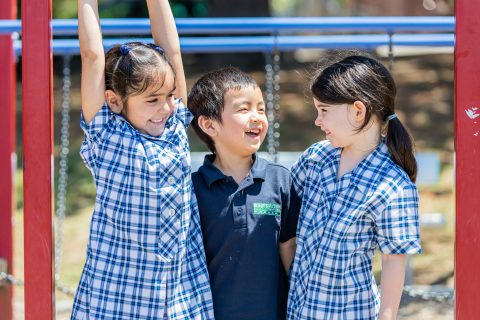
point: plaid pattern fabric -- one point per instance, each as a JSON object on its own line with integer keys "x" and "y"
{"x": 145, "y": 257}
{"x": 341, "y": 223}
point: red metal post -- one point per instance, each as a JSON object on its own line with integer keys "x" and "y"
{"x": 467, "y": 141}
{"x": 37, "y": 122}
{"x": 8, "y": 10}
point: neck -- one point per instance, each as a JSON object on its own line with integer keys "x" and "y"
{"x": 233, "y": 164}
{"x": 365, "y": 142}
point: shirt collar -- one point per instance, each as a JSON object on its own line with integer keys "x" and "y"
{"x": 367, "y": 174}
{"x": 211, "y": 174}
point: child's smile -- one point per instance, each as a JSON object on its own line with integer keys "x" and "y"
{"x": 244, "y": 122}
{"x": 148, "y": 112}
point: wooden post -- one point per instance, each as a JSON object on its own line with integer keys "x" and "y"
{"x": 8, "y": 10}
{"x": 37, "y": 122}
{"x": 467, "y": 148}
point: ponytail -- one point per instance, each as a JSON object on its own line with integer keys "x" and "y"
{"x": 400, "y": 145}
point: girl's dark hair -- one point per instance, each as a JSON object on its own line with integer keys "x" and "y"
{"x": 133, "y": 67}
{"x": 360, "y": 78}
{"x": 207, "y": 96}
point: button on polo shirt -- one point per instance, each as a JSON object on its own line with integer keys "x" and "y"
{"x": 242, "y": 226}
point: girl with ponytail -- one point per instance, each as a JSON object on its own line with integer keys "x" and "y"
{"x": 358, "y": 192}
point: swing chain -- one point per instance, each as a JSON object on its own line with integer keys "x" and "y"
{"x": 63, "y": 165}
{"x": 439, "y": 294}
{"x": 9, "y": 279}
{"x": 390, "y": 51}
{"x": 63, "y": 174}
{"x": 272, "y": 89}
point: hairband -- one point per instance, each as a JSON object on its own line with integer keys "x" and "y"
{"x": 125, "y": 49}
{"x": 391, "y": 117}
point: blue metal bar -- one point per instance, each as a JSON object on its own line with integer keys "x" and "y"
{"x": 63, "y": 27}
{"x": 270, "y": 43}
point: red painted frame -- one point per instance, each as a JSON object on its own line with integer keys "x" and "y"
{"x": 467, "y": 140}
{"x": 8, "y": 10}
{"x": 37, "y": 122}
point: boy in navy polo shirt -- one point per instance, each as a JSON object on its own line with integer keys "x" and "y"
{"x": 248, "y": 207}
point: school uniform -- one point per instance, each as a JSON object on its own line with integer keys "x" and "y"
{"x": 341, "y": 223}
{"x": 145, "y": 257}
{"x": 243, "y": 225}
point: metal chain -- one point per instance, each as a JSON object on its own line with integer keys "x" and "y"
{"x": 63, "y": 171}
{"x": 10, "y": 279}
{"x": 440, "y": 294}
{"x": 390, "y": 51}
{"x": 272, "y": 89}
{"x": 63, "y": 164}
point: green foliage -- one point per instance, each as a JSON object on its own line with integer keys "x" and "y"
{"x": 67, "y": 9}
{"x": 64, "y": 9}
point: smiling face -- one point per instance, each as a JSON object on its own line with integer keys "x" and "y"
{"x": 338, "y": 121}
{"x": 149, "y": 111}
{"x": 244, "y": 122}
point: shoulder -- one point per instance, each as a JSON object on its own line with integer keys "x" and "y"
{"x": 396, "y": 181}
{"x": 272, "y": 168}
{"x": 318, "y": 151}
{"x": 276, "y": 168}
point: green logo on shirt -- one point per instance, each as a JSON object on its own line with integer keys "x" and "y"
{"x": 271, "y": 209}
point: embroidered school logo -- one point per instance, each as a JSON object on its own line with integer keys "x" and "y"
{"x": 270, "y": 209}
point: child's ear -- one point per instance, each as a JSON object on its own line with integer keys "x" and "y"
{"x": 114, "y": 101}
{"x": 359, "y": 110}
{"x": 208, "y": 126}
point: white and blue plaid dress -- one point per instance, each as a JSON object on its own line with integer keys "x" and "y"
{"x": 341, "y": 223}
{"x": 145, "y": 257}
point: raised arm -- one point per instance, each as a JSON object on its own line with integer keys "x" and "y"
{"x": 165, "y": 35}
{"x": 93, "y": 58}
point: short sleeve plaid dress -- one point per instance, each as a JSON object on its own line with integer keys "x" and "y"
{"x": 340, "y": 224}
{"x": 145, "y": 257}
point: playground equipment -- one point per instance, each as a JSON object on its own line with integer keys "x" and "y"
{"x": 37, "y": 137}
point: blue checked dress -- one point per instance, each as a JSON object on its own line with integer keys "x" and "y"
{"x": 341, "y": 223}
{"x": 145, "y": 257}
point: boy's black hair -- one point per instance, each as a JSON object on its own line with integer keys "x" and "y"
{"x": 207, "y": 96}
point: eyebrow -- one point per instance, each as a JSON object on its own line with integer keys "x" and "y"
{"x": 158, "y": 93}
{"x": 240, "y": 102}
{"x": 322, "y": 105}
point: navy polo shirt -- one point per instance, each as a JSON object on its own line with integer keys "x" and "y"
{"x": 242, "y": 227}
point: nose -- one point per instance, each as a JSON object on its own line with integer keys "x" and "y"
{"x": 318, "y": 120}
{"x": 168, "y": 106}
{"x": 254, "y": 116}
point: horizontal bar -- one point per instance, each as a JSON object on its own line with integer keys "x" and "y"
{"x": 271, "y": 43}
{"x": 62, "y": 27}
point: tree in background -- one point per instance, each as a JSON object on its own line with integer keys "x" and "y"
{"x": 64, "y": 9}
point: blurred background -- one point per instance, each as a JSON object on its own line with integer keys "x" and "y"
{"x": 424, "y": 102}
